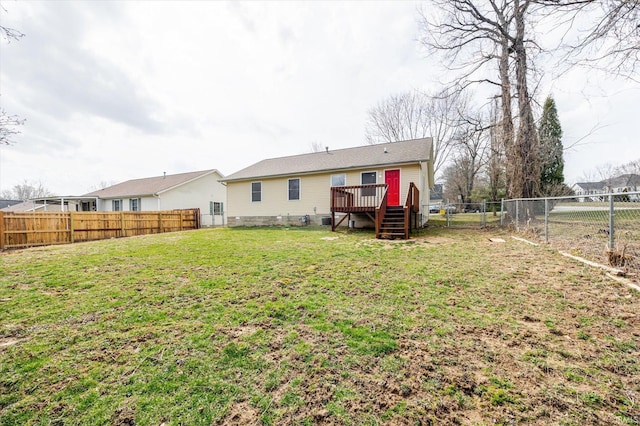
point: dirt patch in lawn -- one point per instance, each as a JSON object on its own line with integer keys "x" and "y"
{"x": 557, "y": 341}
{"x": 6, "y": 342}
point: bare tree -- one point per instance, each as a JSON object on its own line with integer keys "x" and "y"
{"x": 489, "y": 43}
{"x": 468, "y": 159}
{"x": 102, "y": 185}
{"x": 9, "y": 123}
{"x": 26, "y": 191}
{"x": 414, "y": 115}
{"x": 627, "y": 175}
{"x": 612, "y": 40}
{"x": 9, "y": 127}
{"x": 316, "y": 146}
{"x": 8, "y": 33}
{"x": 631, "y": 168}
{"x": 399, "y": 117}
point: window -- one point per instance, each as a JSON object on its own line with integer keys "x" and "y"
{"x": 116, "y": 205}
{"x": 294, "y": 189}
{"x": 134, "y": 204}
{"x": 368, "y": 178}
{"x": 217, "y": 208}
{"x": 256, "y": 192}
{"x": 339, "y": 180}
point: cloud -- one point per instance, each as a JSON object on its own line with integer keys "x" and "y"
{"x": 120, "y": 90}
{"x": 52, "y": 70}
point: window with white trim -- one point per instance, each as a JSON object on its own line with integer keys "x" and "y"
{"x": 217, "y": 208}
{"x": 339, "y": 179}
{"x": 294, "y": 189}
{"x": 368, "y": 178}
{"x": 256, "y": 192}
{"x": 134, "y": 204}
{"x": 116, "y": 205}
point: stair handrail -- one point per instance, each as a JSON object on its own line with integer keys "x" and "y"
{"x": 413, "y": 197}
{"x": 381, "y": 210}
{"x": 411, "y": 206}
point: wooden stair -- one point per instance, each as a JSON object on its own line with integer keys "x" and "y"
{"x": 393, "y": 223}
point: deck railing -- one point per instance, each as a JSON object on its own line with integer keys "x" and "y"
{"x": 381, "y": 211}
{"x": 411, "y": 209}
{"x": 357, "y": 198}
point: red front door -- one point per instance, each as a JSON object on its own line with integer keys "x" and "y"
{"x": 392, "y": 178}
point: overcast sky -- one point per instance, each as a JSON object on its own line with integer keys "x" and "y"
{"x": 121, "y": 90}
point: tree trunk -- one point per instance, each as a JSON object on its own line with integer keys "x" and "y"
{"x": 526, "y": 138}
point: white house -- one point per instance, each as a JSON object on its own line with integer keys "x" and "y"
{"x": 624, "y": 183}
{"x": 200, "y": 189}
{"x": 588, "y": 191}
{"x": 596, "y": 191}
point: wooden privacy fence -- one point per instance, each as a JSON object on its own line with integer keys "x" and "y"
{"x": 29, "y": 229}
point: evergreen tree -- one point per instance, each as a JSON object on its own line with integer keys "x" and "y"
{"x": 552, "y": 163}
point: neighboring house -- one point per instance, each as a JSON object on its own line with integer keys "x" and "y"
{"x": 200, "y": 189}
{"x": 588, "y": 191}
{"x": 298, "y": 189}
{"x": 596, "y": 191}
{"x": 623, "y": 183}
{"x": 48, "y": 204}
{"x": 8, "y": 203}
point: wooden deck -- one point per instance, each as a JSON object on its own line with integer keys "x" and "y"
{"x": 371, "y": 200}
{"x": 356, "y": 199}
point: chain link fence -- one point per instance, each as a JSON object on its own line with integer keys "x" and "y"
{"x": 603, "y": 228}
{"x": 465, "y": 215}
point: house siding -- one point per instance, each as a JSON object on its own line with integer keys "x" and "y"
{"x": 276, "y": 209}
{"x": 195, "y": 194}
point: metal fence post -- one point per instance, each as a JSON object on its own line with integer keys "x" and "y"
{"x": 611, "y": 223}
{"x": 546, "y": 220}
{"x": 484, "y": 213}
{"x": 502, "y": 212}
{"x": 517, "y": 218}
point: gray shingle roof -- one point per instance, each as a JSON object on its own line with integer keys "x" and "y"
{"x": 627, "y": 180}
{"x": 7, "y": 203}
{"x": 590, "y": 186}
{"x": 149, "y": 186}
{"x": 22, "y": 206}
{"x": 404, "y": 152}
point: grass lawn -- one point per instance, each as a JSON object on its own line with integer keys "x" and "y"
{"x": 292, "y": 326}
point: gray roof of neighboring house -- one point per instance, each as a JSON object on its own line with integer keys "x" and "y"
{"x": 626, "y": 180}
{"x": 404, "y": 152}
{"x": 590, "y": 186}
{"x": 7, "y": 203}
{"x": 149, "y": 186}
{"x": 621, "y": 181}
{"x": 22, "y": 206}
